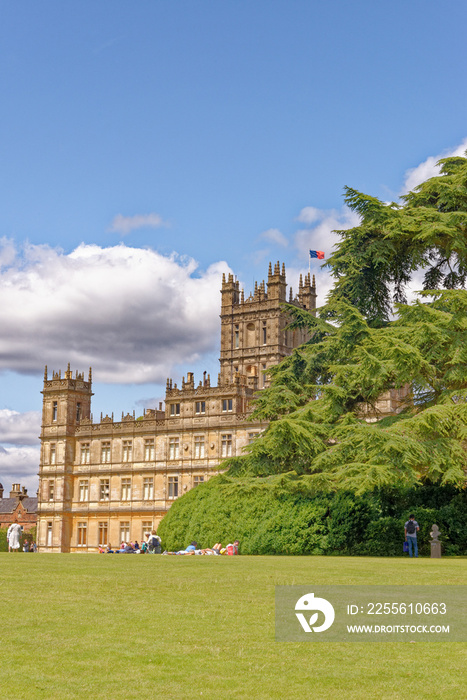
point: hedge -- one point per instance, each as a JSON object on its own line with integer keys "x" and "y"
{"x": 280, "y": 515}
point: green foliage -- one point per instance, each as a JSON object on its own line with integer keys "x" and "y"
{"x": 375, "y": 260}
{"x": 337, "y": 378}
{"x": 284, "y": 515}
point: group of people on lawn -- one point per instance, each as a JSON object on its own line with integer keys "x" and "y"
{"x": 153, "y": 545}
{"x": 217, "y": 549}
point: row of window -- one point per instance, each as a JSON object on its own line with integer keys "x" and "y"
{"x": 200, "y": 407}
{"x": 199, "y": 451}
{"x": 250, "y": 335}
{"x": 174, "y": 409}
{"x": 125, "y": 488}
{"x": 103, "y": 532}
{"x": 55, "y": 411}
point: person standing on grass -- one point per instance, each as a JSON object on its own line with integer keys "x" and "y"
{"x": 13, "y": 536}
{"x": 410, "y": 529}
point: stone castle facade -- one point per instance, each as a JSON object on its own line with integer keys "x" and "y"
{"x": 114, "y": 480}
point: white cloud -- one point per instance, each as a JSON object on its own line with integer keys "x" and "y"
{"x": 308, "y": 215}
{"x": 125, "y": 224}
{"x": 275, "y": 236}
{"x": 19, "y": 465}
{"x": 427, "y": 169}
{"x": 19, "y": 428}
{"x": 7, "y": 252}
{"x": 130, "y": 313}
{"x": 321, "y": 236}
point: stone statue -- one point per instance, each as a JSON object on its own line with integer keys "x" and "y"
{"x": 435, "y": 543}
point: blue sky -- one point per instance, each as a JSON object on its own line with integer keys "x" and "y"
{"x": 147, "y": 147}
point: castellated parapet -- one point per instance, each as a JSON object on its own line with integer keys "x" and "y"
{"x": 112, "y": 480}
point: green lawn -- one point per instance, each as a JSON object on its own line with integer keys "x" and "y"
{"x": 141, "y": 627}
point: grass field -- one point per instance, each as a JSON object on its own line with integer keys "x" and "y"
{"x": 144, "y": 627}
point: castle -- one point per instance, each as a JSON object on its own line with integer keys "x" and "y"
{"x": 114, "y": 480}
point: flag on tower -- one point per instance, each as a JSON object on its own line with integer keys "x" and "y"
{"x": 317, "y": 254}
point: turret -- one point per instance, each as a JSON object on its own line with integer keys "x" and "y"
{"x": 307, "y": 292}
{"x": 277, "y": 285}
{"x": 230, "y": 291}
{"x": 66, "y": 402}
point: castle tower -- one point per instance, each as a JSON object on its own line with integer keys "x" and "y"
{"x": 253, "y": 330}
{"x": 66, "y": 402}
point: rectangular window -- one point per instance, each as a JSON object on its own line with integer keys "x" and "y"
{"x": 264, "y": 333}
{"x": 264, "y": 377}
{"x": 148, "y": 488}
{"x": 149, "y": 453}
{"x": 53, "y": 454}
{"x": 199, "y": 446}
{"x": 50, "y": 491}
{"x": 146, "y": 529}
{"x": 227, "y": 405}
{"x": 237, "y": 338}
{"x": 174, "y": 448}
{"x": 82, "y": 534}
{"x": 105, "y": 452}
{"x": 84, "y": 490}
{"x": 104, "y": 489}
{"x": 173, "y": 486}
{"x": 226, "y": 445}
{"x": 54, "y": 411}
{"x": 126, "y": 489}
{"x": 174, "y": 409}
{"x": 127, "y": 450}
{"x": 78, "y": 412}
{"x": 200, "y": 407}
{"x": 85, "y": 453}
{"x": 251, "y": 437}
{"x": 49, "y": 534}
{"x": 103, "y": 530}
{"x": 125, "y": 531}
{"x": 197, "y": 480}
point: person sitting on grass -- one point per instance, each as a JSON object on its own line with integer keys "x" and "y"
{"x": 232, "y": 548}
{"x": 128, "y": 549}
{"x": 125, "y": 548}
